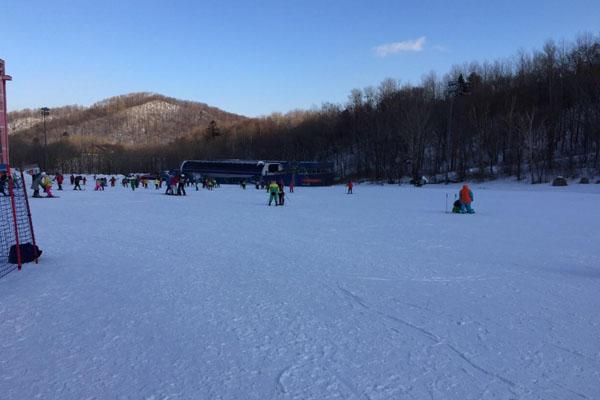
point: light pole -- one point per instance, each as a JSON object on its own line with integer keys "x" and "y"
{"x": 45, "y": 112}
{"x": 3, "y": 123}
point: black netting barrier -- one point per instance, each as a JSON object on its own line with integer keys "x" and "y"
{"x": 8, "y": 237}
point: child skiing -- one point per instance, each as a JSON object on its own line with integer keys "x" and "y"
{"x": 36, "y": 182}
{"x": 273, "y": 193}
{"x": 281, "y": 192}
{"x": 181, "y": 186}
{"x": 47, "y": 185}
{"x": 350, "y": 185}
{"x": 59, "y": 178}
{"x": 76, "y": 181}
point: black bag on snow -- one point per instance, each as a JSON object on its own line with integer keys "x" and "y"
{"x": 29, "y": 252}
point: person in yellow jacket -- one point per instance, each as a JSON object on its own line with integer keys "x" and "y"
{"x": 273, "y": 193}
{"x": 47, "y": 184}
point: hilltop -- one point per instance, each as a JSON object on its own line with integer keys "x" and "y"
{"x": 135, "y": 118}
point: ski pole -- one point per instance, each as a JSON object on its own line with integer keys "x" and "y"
{"x": 446, "y": 203}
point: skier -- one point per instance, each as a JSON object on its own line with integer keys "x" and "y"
{"x": 350, "y": 185}
{"x": 76, "y": 181}
{"x": 47, "y": 185}
{"x": 72, "y": 179}
{"x": 281, "y": 192}
{"x": 273, "y": 193}
{"x": 3, "y": 180}
{"x": 292, "y": 185}
{"x": 181, "y": 186}
{"x": 466, "y": 198}
{"x": 36, "y": 182}
{"x": 59, "y": 178}
{"x": 170, "y": 185}
{"x": 156, "y": 183}
{"x": 112, "y": 181}
{"x": 84, "y": 180}
{"x": 133, "y": 183}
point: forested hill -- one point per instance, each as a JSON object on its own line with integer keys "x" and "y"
{"x": 140, "y": 119}
{"x": 532, "y": 116}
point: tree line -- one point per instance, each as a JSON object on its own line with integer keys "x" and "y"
{"x": 532, "y": 116}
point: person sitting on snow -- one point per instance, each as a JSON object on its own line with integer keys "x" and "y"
{"x": 466, "y": 198}
{"x": 456, "y": 207}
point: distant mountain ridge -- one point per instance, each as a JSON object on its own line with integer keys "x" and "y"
{"x": 132, "y": 119}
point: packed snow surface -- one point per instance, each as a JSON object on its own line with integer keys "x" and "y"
{"x": 375, "y": 295}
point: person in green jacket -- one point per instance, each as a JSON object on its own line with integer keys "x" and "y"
{"x": 273, "y": 193}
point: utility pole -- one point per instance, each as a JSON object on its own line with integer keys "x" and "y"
{"x": 45, "y": 112}
{"x": 3, "y": 120}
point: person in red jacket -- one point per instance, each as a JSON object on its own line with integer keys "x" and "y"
{"x": 466, "y": 198}
{"x": 59, "y": 178}
{"x": 350, "y": 185}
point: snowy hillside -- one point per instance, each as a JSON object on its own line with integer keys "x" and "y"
{"x": 375, "y": 295}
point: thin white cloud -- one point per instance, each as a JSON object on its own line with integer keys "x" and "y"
{"x": 386, "y": 49}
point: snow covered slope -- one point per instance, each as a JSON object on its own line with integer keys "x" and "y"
{"x": 376, "y": 295}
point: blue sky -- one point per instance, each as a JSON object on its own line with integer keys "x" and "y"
{"x": 257, "y": 57}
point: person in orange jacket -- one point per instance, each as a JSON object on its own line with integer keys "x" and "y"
{"x": 466, "y": 198}
{"x": 350, "y": 185}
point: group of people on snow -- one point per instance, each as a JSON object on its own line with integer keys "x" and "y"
{"x": 43, "y": 181}
{"x": 177, "y": 182}
{"x": 176, "y": 186}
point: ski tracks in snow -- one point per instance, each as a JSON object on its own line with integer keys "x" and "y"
{"x": 357, "y": 302}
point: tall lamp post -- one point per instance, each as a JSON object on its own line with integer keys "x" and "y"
{"x": 45, "y": 111}
{"x": 3, "y": 122}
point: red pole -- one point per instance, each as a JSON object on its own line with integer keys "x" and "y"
{"x": 29, "y": 216}
{"x": 11, "y": 194}
{"x": 3, "y": 119}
